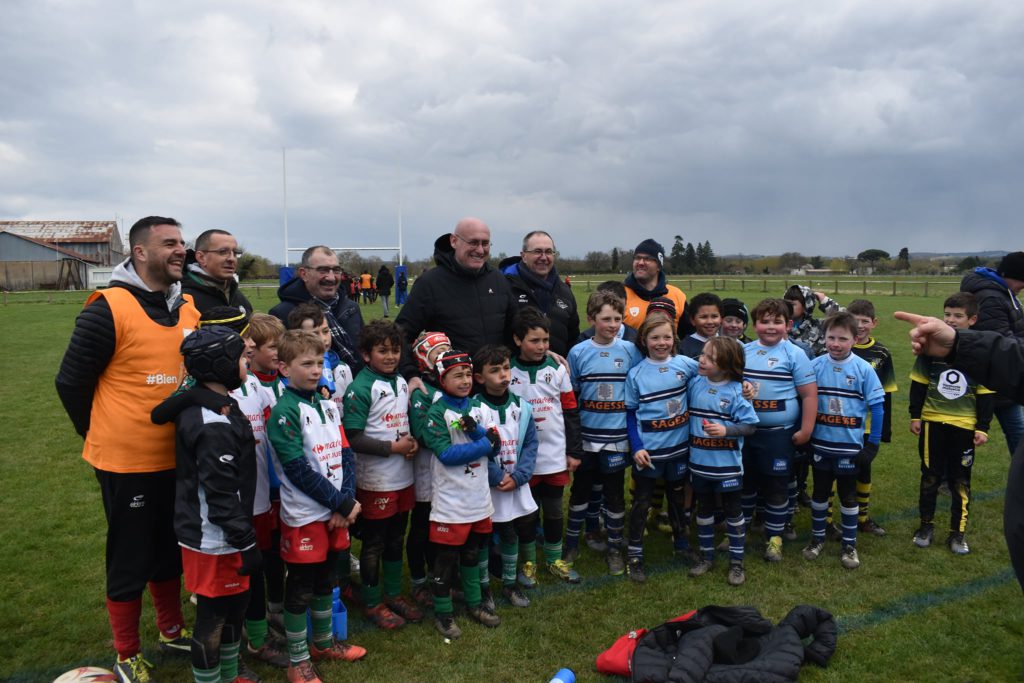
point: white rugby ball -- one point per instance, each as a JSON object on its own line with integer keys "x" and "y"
{"x": 87, "y": 674}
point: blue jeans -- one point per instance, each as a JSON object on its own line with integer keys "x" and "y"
{"x": 1011, "y": 419}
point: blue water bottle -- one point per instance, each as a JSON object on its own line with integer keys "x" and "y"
{"x": 564, "y": 676}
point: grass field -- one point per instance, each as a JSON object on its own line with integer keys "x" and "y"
{"x": 906, "y": 615}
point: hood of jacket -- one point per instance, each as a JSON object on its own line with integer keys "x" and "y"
{"x": 294, "y": 291}
{"x": 660, "y": 288}
{"x": 983, "y": 278}
{"x": 124, "y": 273}
{"x": 444, "y": 257}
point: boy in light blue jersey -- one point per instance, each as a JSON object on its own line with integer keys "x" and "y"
{"x": 848, "y": 390}
{"x": 598, "y": 369}
{"x": 785, "y": 398}
{"x": 657, "y": 417}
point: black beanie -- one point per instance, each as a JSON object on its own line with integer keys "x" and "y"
{"x": 1012, "y": 266}
{"x": 651, "y": 248}
{"x": 735, "y": 308}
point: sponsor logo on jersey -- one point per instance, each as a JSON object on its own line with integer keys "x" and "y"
{"x": 161, "y": 378}
{"x": 138, "y": 501}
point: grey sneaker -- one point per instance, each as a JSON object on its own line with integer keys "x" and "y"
{"x": 133, "y": 670}
{"x": 484, "y": 617}
{"x": 635, "y": 569}
{"x": 773, "y": 551}
{"x": 849, "y": 558}
{"x": 924, "y": 535}
{"x": 616, "y": 565}
{"x": 446, "y": 626}
{"x": 701, "y": 567}
{"x": 736, "y": 575}
{"x": 870, "y": 526}
{"x": 515, "y": 596}
{"x": 269, "y": 653}
{"x": 814, "y": 549}
{"x": 595, "y": 541}
{"x": 957, "y": 544}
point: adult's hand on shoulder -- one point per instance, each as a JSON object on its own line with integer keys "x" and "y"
{"x": 929, "y": 336}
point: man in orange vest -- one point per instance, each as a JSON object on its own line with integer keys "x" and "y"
{"x": 124, "y": 359}
{"x": 647, "y": 282}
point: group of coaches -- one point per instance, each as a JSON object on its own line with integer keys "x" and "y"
{"x": 123, "y": 359}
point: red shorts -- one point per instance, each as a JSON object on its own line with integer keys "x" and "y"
{"x": 213, "y": 576}
{"x": 450, "y": 533}
{"x": 554, "y": 479}
{"x": 310, "y": 543}
{"x": 264, "y": 525}
{"x": 384, "y": 504}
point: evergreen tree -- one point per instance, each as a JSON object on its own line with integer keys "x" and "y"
{"x": 677, "y": 257}
{"x": 709, "y": 258}
{"x": 903, "y": 260}
{"x": 690, "y": 259}
{"x": 615, "y": 259}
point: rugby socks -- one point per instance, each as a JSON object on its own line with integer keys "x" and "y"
{"x": 818, "y": 522}
{"x": 577, "y": 513}
{"x": 748, "y": 503}
{"x": 736, "y": 533}
{"x": 320, "y": 610}
{"x": 552, "y": 552}
{"x": 863, "y": 500}
{"x": 392, "y": 578}
{"x": 229, "y": 660}
{"x": 207, "y": 675}
{"x": 167, "y": 602}
{"x": 371, "y": 595}
{"x": 484, "y": 565}
{"x": 794, "y": 494}
{"x": 706, "y": 536}
{"x": 256, "y": 630}
{"x": 471, "y": 584}
{"x": 775, "y": 518}
{"x": 295, "y": 632}
{"x": 614, "y": 522}
{"x": 509, "y": 563}
{"x": 849, "y": 516}
{"x": 593, "y": 508}
{"x": 124, "y": 623}
{"x": 528, "y": 552}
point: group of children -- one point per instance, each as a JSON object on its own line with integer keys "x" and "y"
{"x": 459, "y": 479}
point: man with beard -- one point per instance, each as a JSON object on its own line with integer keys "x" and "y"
{"x": 647, "y": 282}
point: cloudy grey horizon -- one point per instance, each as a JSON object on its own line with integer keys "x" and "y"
{"x": 823, "y": 128}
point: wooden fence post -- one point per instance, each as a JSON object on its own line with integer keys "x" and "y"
{"x": 894, "y": 288}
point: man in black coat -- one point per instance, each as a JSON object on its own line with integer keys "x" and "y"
{"x": 317, "y": 280}
{"x": 462, "y": 296}
{"x": 999, "y": 310}
{"x": 210, "y": 276}
{"x": 535, "y": 282}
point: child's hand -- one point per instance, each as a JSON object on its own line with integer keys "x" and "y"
{"x": 642, "y": 458}
{"x": 356, "y": 509}
{"x": 713, "y": 428}
{"x": 820, "y": 296}
{"x": 801, "y": 437}
{"x": 325, "y": 392}
{"x": 980, "y": 438}
{"x": 572, "y": 464}
{"x": 493, "y": 436}
{"x": 749, "y": 390}
{"x": 468, "y": 423}
{"x": 404, "y": 445}
{"x": 336, "y": 521}
{"x": 507, "y": 483}
{"x": 915, "y": 427}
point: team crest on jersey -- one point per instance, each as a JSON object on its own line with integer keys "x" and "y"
{"x": 330, "y": 413}
{"x": 835, "y": 405}
{"x": 515, "y": 380}
{"x": 772, "y": 362}
{"x": 308, "y": 421}
{"x": 618, "y": 362}
{"x": 679, "y": 375}
{"x": 634, "y": 311}
{"x": 674, "y": 406}
{"x": 383, "y": 394}
{"x": 850, "y": 379}
{"x": 723, "y": 403}
{"x": 548, "y": 377}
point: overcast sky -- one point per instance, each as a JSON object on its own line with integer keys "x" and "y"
{"x": 819, "y": 127}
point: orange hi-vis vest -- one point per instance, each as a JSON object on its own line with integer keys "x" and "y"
{"x": 146, "y": 368}
{"x": 636, "y": 308}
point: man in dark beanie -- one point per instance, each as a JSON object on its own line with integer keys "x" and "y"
{"x": 999, "y": 310}
{"x": 647, "y": 282}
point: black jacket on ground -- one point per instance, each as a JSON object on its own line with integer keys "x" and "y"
{"x": 92, "y": 346}
{"x": 215, "y": 463}
{"x": 206, "y": 293}
{"x": 472, "y": 308}
{"x": 561, "y": 309}
{"x": 346, "y": 311}
{"x": 734, "y": 645}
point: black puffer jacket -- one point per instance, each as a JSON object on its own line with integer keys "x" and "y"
{"x": 206, "y": 293}
{"x": 561, "y": 310}
{"x": 472, "y": 308}
{"x": 998, "y": 310}
{"x": 345, "y": 311}
{"x": 734, "y": 645}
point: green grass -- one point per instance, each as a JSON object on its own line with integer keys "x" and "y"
{"x": 906, "y": 614}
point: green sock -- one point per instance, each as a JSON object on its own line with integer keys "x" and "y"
{"x": 443, "y": 606}
{"x": 471, "y": 587}
{"x": 206, "y": 675}
{"x": 229, "y": 660}
{"x": 295, "y": 631}
{"x": 509, "y": 560}
{"x": 528, "y": 552}
{"x": 371, "y": 595}
{"x": 392, "y": 577}
{"x": 323, "y": 635}
{"x": 257, "y": 630}
{"x": 552, "y": 552}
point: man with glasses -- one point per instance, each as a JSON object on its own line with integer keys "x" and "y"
{"x": 462, "y": 296}
{"x": 318, "y": 280}
{"x": 535, "y": 282}
{"x": 647, "y": 282}
{"x": 210, "y": 277}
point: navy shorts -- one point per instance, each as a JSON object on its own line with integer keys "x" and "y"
{"x": 770, "y": 452}
{"x": 604, "y": 461}
{"x": 705, "y": 485}
{"x": 672, "y": 469}
{"x": 840, "y": 466}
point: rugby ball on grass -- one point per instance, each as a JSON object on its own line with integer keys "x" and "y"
{"x": 87, "y": 674}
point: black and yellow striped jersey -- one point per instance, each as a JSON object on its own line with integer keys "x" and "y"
{"x": 951, "y": 398}
{"x": 879, "y": 358}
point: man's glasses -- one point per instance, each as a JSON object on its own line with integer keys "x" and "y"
{"x": 541, "y": 252}
{"x": 224, "y": 252}
{"x": 475, "y": 244}
{"x": 645, "y": 259}
{"x": 328, "y": 270}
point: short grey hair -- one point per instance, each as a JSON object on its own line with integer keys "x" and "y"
{"x": 308, "y": 254}
{"x": 534, "y": 233}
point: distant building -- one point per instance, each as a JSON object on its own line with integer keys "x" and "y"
{"x": 27, "y": 263}
{"x": 97, "y": 242}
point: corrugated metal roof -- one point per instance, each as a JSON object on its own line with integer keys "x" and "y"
{"x": 59, "y": 250}
{"x": 62, "y": 231}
